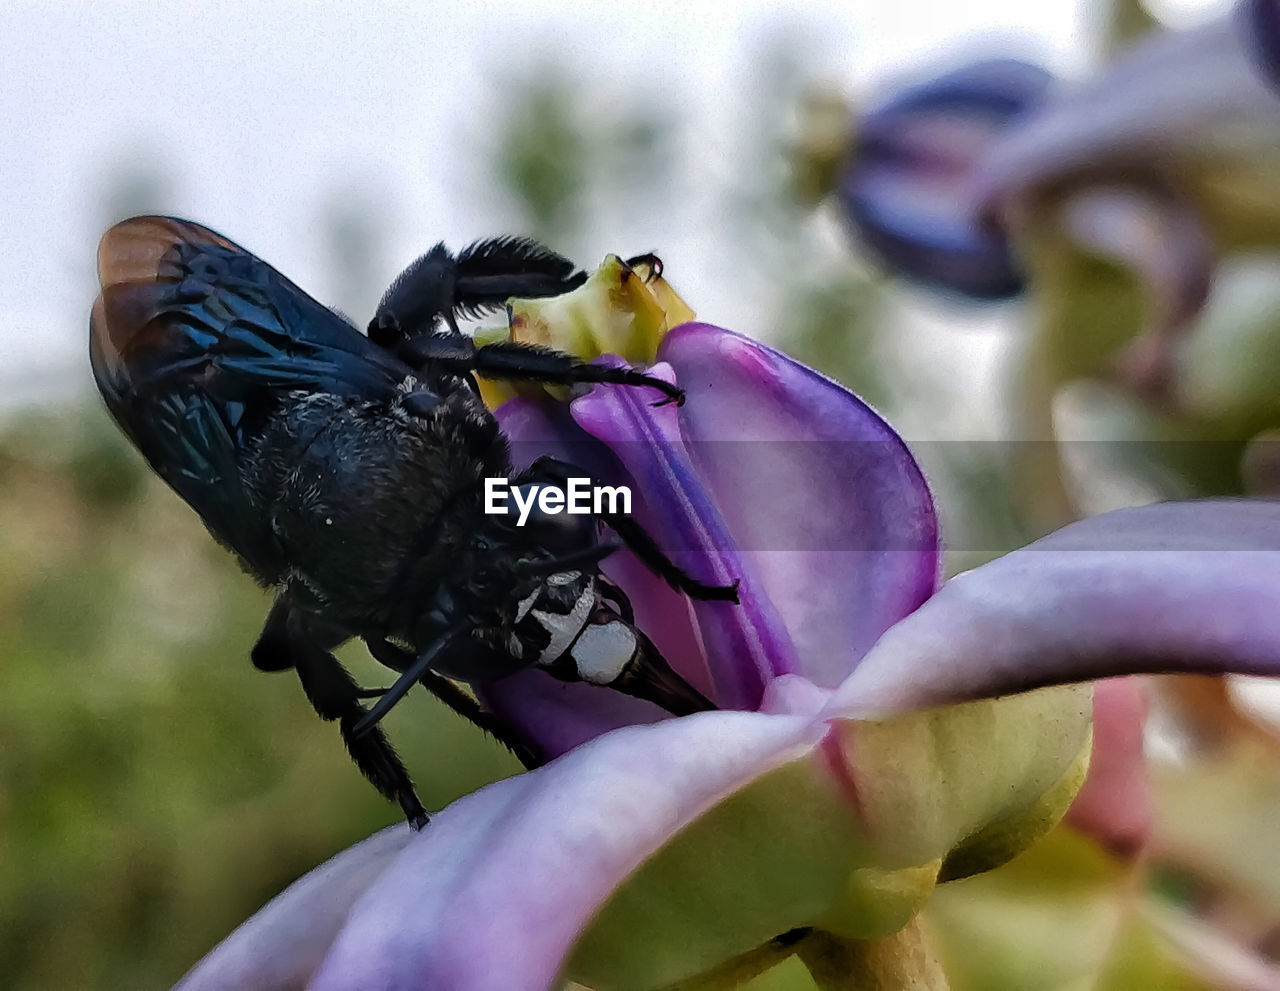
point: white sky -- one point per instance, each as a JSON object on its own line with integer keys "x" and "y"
{"x": 263, "y": 111}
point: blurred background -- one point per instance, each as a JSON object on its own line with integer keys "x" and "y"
{"x": 154, "y": 789}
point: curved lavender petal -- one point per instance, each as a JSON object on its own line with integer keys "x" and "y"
{"x": 537, "y": 428}
{"x": 905, "y": 191}
{"x": 492, "y": 896}
{"x": 1170, "y": 96}
{"x": 654, "y": 853}
{"x": 559, "y": 716}
{"x": 746, "y": 644}
{"x": 1188, "y": 587}
{"x": 824, "y": 499}
{"x": 282, "y": 945}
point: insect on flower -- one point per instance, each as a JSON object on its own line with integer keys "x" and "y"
{"x": 346, "y": 473}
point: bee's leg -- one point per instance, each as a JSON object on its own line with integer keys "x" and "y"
{"x": 287, "y": 642}
{"x": 420, "y": 296}
{"x": 636, "y": 538}
{"x": 459, "y": 355}
{"x": 641, "y": 543}
{"x": 410, "y": 675}
{"x": 480, "y": 279}
{"x": 457, "y": 700}
{"x": 273, "y": 651}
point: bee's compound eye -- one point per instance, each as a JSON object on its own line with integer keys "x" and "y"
{"x": 547, "y": 520}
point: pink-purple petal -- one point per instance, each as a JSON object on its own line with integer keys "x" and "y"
{"x": 493, "y": 895}
{"x": 1114, "y": 806}
{"x": 1170, "y": 97}
{"x": 747, "y": 644}
{"x": 280, "y": 947}
{"x": 824, "y": 499}
{"x": 558, "y": 716}
{"x": 1180, "y": 587}
{"x": 552, "y": 714}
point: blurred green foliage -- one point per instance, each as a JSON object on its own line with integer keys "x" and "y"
{"x": 154, "y": 789}
{"x": 561, "y": 147}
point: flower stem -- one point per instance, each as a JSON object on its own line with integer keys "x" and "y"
{"x": 901, "y": 962}
{"x": 738, "y": 971}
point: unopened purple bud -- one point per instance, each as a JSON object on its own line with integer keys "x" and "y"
{"x": 906, "y": 191}
{"x": 1261, "y": 22}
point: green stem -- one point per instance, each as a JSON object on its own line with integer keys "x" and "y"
{"x": 737, "y": 971}
{"x": 901, "y": 962}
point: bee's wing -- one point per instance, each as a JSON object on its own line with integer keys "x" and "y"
{"x": 194, "y": 341}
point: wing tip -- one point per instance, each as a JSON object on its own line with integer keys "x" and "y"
{"x": 131, "y": 250}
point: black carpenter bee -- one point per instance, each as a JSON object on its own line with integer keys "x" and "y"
{"x": 346, "y": 472}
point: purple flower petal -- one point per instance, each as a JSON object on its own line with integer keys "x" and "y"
{"x": 824, "y": 500}
{"x": 559, "y": 716}
{"x": 1181, "y": 587}
{"x": 746, "y": 645}
{"x": 905, "y": 191}
{"x": 654, "y": 853}
{"x": 281, "y": 947}
{"x": 1172, "y": 96}
{"x": 493, "y": 894}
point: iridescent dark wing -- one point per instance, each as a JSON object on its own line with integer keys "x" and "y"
{"x": 194, "y": 342}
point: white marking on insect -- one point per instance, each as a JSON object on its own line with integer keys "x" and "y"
{"x": 525, "y": 604}
{"x": 603, "y": 652}
{"x": 564, "y": 628}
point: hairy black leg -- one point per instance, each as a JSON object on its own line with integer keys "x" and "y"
{"x": 641, "y": 543}
{"x": 457, "y": 700}
{"x": 335, "y": 696}
{"x": 479, "y": 279}
{"x": 460, "y": 355}
{"x": 409, "y": 677}
{"x": 420, "y": 296}
{"x": 636, "y": 538}
{"x": 273, "y": 651}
